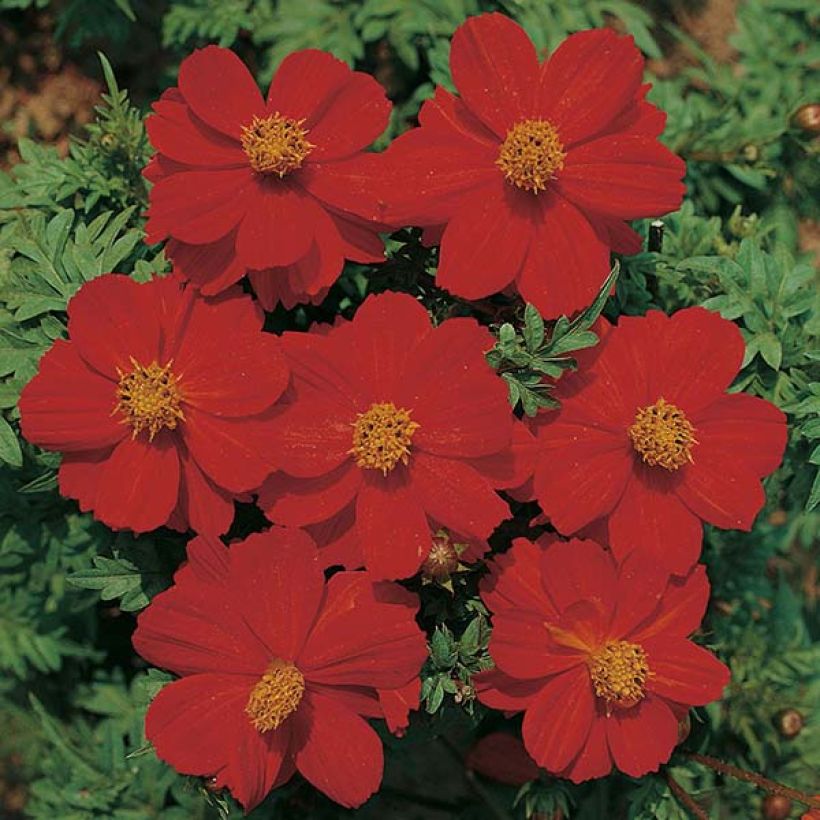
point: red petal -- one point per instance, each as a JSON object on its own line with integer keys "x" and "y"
{"x": 364, "y": 635}
{"x": 139, "y": 484}
{"x": 697, "y": 355}
{"x": 278, "y": 228}
{"x": 305, "y": 83}
{"x": 455, "y": 495}
{"x": 427, "y": 177}
{"x": 624, "y": 176}
{"x": 205, "y": 507}
{"x": 515, "y": 581}
{"x": 177, "y": 134}
{"x": 681, "y": 610}
{"x": 398, "y": 703}
{"x": 456, "y": 398}
{"x": 220, "y": 90}
{"x": 643, "y": 737}
{"x": 558, "y": 722}
{"x": 237, "y": 454}
{"x": 512, "y": 467}
{"x": 337, "y": 751}
{"x": 391, "y": 524}
{"x": 616, "y": 234}
{"x": 594, "y": 759}
{"x": 231, "y": 368}
{"x": 522, "y": 648}
{"x": 448, "y": 116}
{"x": 495, "y": 68}
{"x": 199, "y": 206}
{"x": 567, "y": 261}
{"x": 588, "y": 81}
{"x": 639, "y": 592}
{"x": 79, "y": 476}
{"x": 385, "y": 332}
{"x": 277, "y": 586}
{"x": 192, "y": 723}
{"x": 502, "y": 757}
{"x": 595, "y": 463}
{"x": 650, "y": 517}
{"x": 486, "y": 241}
{"x": 360, "y": 239}
{"x": 213, "y": 266}
{"x": 67, "y": 406}
{"x": 684, "y": 672}
{"x": 295, "y": 502}
{"x": 312, "y": 437}
{"x": 113, "y": 319}
{"x": 575, "y": 570}
{"x": 500, "y": 691}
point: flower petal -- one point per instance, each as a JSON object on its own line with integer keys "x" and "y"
{"x": 220, "y": 89}
{"x": 576, "y": 570}
{"x": 364, "y": 635}
{"x": 684, "y": 672}
{"x": 207, "y": 509}
{"x": 213, "y": 266}
{"x": 643, "y": 737}
{"x": 588, "y": 81}
{"x": 567, "y": 262}
{"x": 514, "y": 581}
{"x": 559, "y": 720}
{"x": 595, "y": 759}
{"x": 139, "y": 484}
{"x": 499, "y": 691}
{"x": 494, "y": 68}
{"x": 337, "y": 751}
{"x": 67, "y": 406}
{"x": 486, "y": 241}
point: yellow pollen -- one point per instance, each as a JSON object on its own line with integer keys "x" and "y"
{"x": 382, "y": 436}
{"x": 276, "y": 696}
{"x": 531, "y": 155}
{"x": 275, "y": 144}
{"x": 149, "y": 398}
{"x": 619, "y": 671}
{"x": 662, "y": 435}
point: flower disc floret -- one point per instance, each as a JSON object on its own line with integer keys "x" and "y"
{"x": 531, "y": 155}
{"x": 662, "y": 435}
{"x": 382, "y": 436}
{"x": 276, "y": 144}
{"x": 619, "y": 671}
{"x": 149, "y": 398}
{"x": 276, "y": 696}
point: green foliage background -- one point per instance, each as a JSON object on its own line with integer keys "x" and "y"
{"x": 72, "y": 694}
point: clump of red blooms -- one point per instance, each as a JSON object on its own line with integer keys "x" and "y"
{"x": 399, "y": 427}
{"x": 647, "y": 443}
{"x": 279, "y": 669}
{"x": 387, "y": 439}
{"x": 527, "y": 176}
{"x": 597, "y": 655}
{"x": 276, "y": 188}
{"x": 160, "y": 403}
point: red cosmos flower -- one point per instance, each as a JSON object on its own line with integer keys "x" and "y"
{"x": 596, "y": 655}
{"x": 647, "y": 443}
{"x": 533, "y": 169}
{"x": 277, "y": 187}
{"x": 403, "y": 423}
{"x": 159, "y": 403}
{"x": 278, "y": 668}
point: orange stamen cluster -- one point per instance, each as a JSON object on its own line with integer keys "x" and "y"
{"x": 276, "y": 696}
{"x": 382, "y": 436}
{"x": 149, "y": 398}
{"x": 531, "y": 155}
{"x": 275, "y": 144}
{"x": 619, "y": 671}
{"x": 662, "y": 435}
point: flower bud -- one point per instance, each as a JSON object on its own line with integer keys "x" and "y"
{"x": 775, "y": 807}
{"x": 789, "y": 723}
{"x": 807, "y": 118}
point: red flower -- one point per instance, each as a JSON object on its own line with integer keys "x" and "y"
{"x": 403, "y": 423}
{"x": 278, "y": 187}
{"x": 278, "y": 668}
{"x": 535, "y": 166}
{"x": 596, "y": 655}
{"x": 159, "y": 403}
{"x": 502, "y": 757}
{"x": 647, "y": 443}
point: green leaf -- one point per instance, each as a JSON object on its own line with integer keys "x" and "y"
{"x": 10, "y": 451}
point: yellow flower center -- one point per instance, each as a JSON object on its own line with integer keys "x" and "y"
{"x": 531, "y": 154}
{"x": 662, "y": 435}
{"x": 149, "y": 398}
{"x": 619, "y": 670}
{"x": 275, "y": 144}
{"x": 382, "y": 436}
{"x": 276, "y": 696}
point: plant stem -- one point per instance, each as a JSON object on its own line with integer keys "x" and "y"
{"x": 685, "y": 799}
{"x": 753, "y": 777}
